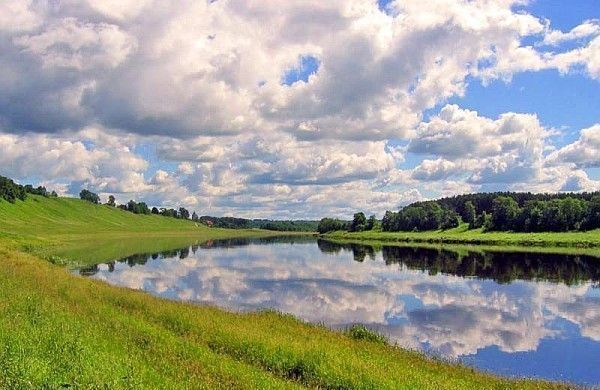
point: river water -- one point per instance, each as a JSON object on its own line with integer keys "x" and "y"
{"x": 514, "y": 314}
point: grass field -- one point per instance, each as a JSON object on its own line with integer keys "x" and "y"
{"x": 74, "y": 232}
{"x": 58, "y": 330}
{"x": 462, "y": 235}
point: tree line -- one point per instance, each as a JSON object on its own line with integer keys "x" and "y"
{"x": 221, "y": 222}
{"x": 267, "y": 224}
{"x": 500, "y": 211}
{"x": 11, "y": 191}
{"x": 359, "y": 223}
{"x": 140, "y": 207}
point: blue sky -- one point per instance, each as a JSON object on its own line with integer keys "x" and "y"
{"x": 301, "y": 109}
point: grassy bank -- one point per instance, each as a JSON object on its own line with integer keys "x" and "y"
{"x": 60, "y": 330}
{"x": 74, "y": 232}
{"x": 462, "y": 235}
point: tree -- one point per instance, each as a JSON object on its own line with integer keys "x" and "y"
{"x": 504, "y": 213}
{"x": 433, "y": 216}
{"x": 155, "y": 210}
{"x": 111, "y": 201}
{"x": 470, "y": 213}
{"x": 194, "y": 217}
{"x": 371, "y": 223}
{"x": 359, "y": 222}
{"x": 450, "y": 219}
{"x": 183, "y": 213}
{"x": 330, "y": 225}
{"x": 142, "y": 208}
{"x": 89, "y": 196}
{"x": 132, "y": 206}
{"x": 168, "y": 212}
{"x": 11, "y": 191}
{"x": 530, "y": 219}
{"x": 592, "y": 220}
{"x": 54, "y": 194}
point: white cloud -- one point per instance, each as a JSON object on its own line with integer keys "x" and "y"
{"x": 584, "y": 152}
{"x": 586, "y": 29}
{"x": 90, "y": 157}
{"x": 16, "y": 16}
{"x": 72, "y": 43}
{"x": 191, "y": 68}
{"x": 506, "y": 150}
{"x": 200, "y": 84}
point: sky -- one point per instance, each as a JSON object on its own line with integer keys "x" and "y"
{"x": 299, "y": 109}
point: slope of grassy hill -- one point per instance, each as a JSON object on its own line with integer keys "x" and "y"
{"x": 75, "y": 231}
{"x": 58, "y": 330}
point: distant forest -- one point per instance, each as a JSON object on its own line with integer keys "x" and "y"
{"x": 268, "y": 224}
{"x": 498, "y": 211}
{"x": 11, "y": 191}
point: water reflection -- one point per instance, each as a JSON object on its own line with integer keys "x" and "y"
{"x": 513, "y": 313}
{"x": 502, "y": 267}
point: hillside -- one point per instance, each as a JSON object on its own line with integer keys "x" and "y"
{"x": 74, "y": 231}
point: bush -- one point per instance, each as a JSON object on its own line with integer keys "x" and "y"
{"x": 361, "y": 332}
{"x": 89, "y": 196}
{"x": 331, "y": 225}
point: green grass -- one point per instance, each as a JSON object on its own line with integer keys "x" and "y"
{"x": 58, "y": 330}
{"x": 462, "y": 235}
{"x": 75, "y": 232}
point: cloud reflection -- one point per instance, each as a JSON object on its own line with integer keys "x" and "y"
{"x": 452, "y": 315}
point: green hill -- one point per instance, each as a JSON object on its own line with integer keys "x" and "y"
{"x": 74, "y": 231}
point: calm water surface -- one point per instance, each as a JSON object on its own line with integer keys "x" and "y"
{"x": 511, "y": 313}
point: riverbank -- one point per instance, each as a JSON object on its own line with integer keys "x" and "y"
{"x": 61, "y": 330}
{"x": 462, "y": 235}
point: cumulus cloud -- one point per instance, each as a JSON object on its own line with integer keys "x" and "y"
{"x": 586, "y": 29}
{"x": 209, "y": 68}
{"x": 506, "y": 150}
{"x": 202, "y": 85}
{"x": 72, "y": 43}
{"x": 87, "y": 158}
{"x": 18, "y": 16}
{"x": 584, "y": 152}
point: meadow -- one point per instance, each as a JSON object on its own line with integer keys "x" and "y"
{"x": 571, "y": 242}
{"x": 59, "y": 330}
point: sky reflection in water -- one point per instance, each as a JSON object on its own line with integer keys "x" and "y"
{"x": 488, "y": 310}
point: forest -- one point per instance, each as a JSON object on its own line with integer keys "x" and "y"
{"x": 500, "y": 211}
{"x": 267, "y": 224}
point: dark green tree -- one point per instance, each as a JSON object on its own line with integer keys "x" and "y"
{"x": 359, "y": 222}
{"x": 111, "y": 201}
{"x": 89, "y": 196}
{"x": 184, "y": 213}
{"x": 592, "y": 220}
{"x": 371, "y": 223}
{"x": 504, "y": 213}
{"x": 470, "y": 214}
{"x": 330, "y": 225}
{"x": 450, "y": 219}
